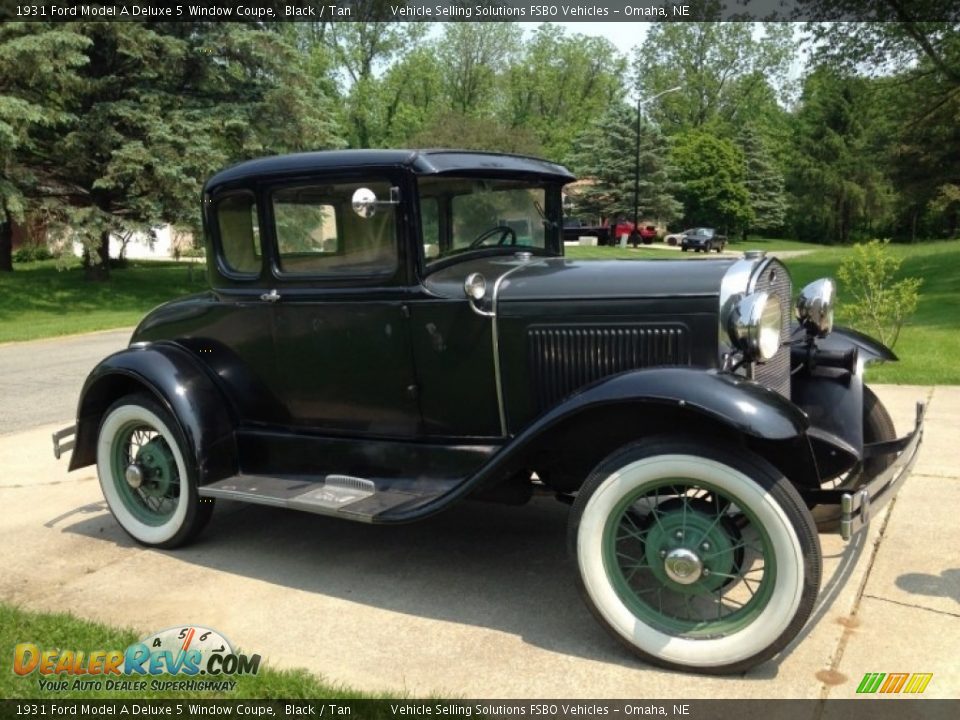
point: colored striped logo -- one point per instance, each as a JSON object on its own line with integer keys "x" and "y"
{"x": 913, "y": 683}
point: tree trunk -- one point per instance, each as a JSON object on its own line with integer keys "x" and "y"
{"x": 6, "y": 244}
{"x": 97, "y": 269}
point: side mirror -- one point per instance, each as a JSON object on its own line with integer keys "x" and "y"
{"x": 364, "y": 202}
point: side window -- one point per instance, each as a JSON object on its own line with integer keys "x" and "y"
{"x": 318, "y": 233}
{"x": 239, "y": 233}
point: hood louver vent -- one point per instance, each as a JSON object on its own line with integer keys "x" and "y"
{"x": 564, "y": 358}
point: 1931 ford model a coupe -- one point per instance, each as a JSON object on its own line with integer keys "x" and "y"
{"x": 391, "y": 332}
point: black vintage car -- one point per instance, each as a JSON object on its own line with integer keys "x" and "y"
{"x": 389, "y": 333}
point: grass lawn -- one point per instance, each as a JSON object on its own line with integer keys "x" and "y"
{"x": 65, "y": 632}
{"x": 40, "y": 300}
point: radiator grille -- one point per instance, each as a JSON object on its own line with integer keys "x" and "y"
{"x": 775, "y": 373}
{"x": 565, "y": 358}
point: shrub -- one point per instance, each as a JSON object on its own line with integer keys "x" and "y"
{"x": 880, "y": 305}
{"x": 31, "y": 253}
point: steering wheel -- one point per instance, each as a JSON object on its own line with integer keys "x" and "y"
{"x": 505, "y": 232}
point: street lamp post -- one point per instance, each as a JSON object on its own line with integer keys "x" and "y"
{"x": 635, "y": 235}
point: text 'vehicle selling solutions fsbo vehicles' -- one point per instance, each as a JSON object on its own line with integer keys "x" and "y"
{"x": 391, "y": 332}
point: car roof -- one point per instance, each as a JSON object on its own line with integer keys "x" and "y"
{"x": 421, "y": 162}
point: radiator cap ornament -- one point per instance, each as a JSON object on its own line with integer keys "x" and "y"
{"x": 754, "y": 254}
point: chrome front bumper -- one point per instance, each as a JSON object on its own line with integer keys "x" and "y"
{"x": 63, "y": 440}
{"x": 858, "y": 506}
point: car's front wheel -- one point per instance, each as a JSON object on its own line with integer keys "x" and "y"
{"x": 147, "y": 475}
{"x": 695, "y": 557}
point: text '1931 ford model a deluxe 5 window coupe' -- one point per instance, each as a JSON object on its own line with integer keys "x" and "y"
{"x": 391, "y": 332}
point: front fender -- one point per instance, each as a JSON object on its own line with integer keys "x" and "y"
{"x": 870, "y": 350}
{"x": 725, "y": 399}
{"x": 181, "y": 384}
{"x": 744, "y": 405}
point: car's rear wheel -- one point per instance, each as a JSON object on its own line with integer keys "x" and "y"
{"x": 695, "y": 557}
{"x": 147, "y": 475}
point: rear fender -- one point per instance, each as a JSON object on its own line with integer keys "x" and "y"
{"x": 181, "y": 384}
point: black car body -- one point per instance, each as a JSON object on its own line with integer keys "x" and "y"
{"x": 705, "y": 239}
{"x": 388, "y": 333}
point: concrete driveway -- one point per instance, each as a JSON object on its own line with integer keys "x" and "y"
{"x": 478, "y": 602}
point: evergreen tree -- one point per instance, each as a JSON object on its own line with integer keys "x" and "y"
{"x": 764, "y": 183}
{"x": 606, "y": 156}
{"x": 38, "y": 62}
{"x": 160, "y": 106}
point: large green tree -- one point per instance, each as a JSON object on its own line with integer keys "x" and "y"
{"x": 606, "y": 158}
{"x": 158, "y": 107}
{"x": 714, "y": 190}
{"x": 558, "y": 83}
{"x": 38, "y": 64}
{"x": 764, "y": 182}
{"x": 723, "y": 69}
{"x": 838, "y": 176}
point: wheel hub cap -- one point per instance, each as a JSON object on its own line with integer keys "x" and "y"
{"x": 133, "y": 475}
{"x": 683, "y": 566}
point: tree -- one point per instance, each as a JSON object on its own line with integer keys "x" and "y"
{"x": 838, "y": 172}
{"x": 606, "y": 158}
{"x": 722, "y": 69}
{"x": 470, "y": 133}
{"x": 38, "y": 63}
{"x": 472, "y": 57}
{"x": 714, "y": 191}
{"x": 764, "y": 183}
{"x": 362, "y": 47}
{"x": 160, "y": 106}
{"x": 558, "y": 83}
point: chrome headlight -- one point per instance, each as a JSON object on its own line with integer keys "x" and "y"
{"x": 815, "y": 307}
{"x": 754, "y": 325}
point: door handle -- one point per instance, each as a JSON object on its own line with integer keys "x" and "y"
{"x": 271, "y": 296}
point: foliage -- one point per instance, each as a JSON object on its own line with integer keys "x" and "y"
{"x": 38, "y": 65}
{"x": 764, "y": 182}
{"x": 723, "y": 69}
{"x": 469, "y": 133}
{"x": 880, "y": 305}
{"x": 714, "y": 190}
{"x": 839, "y": 187}
{"x": 606, "y": 157}
{"x": 32, "y": 253}
{"x": 558, "y": 84}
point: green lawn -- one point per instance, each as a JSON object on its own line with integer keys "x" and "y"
{"x": 66, "y": 632}
{"x": 929, "y": 345}
{"x": 40, "y": 300}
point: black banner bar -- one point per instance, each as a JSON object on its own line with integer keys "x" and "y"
{"x": 888, "y": 708}
{"x": 481, "y": 10}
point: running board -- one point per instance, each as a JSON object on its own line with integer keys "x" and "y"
{"x": 344, "y": 496}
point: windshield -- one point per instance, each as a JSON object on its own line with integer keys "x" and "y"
{"x": 463, "y": 214}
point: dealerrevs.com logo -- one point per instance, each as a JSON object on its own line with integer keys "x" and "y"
{"x": 198, "y": 658}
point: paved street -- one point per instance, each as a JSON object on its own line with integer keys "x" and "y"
{"x": 478, "y": 602}
{"x": 40, "y": 381}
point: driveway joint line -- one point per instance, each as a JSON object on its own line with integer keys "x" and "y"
{"x": 912, "y": 606}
